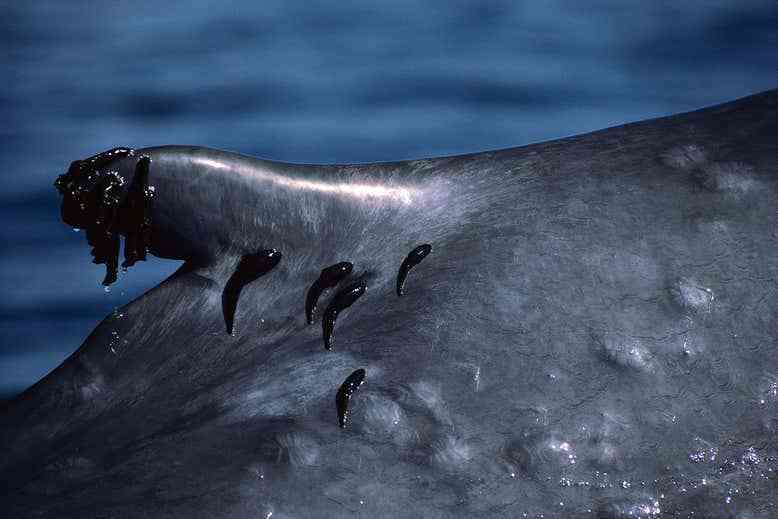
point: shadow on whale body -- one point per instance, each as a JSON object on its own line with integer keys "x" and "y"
{"x": 594, "y": 334}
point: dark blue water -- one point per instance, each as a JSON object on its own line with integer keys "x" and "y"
{"x": 317, "y": 82}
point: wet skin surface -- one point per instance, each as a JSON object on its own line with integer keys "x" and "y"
{"x": 593, "y": 336}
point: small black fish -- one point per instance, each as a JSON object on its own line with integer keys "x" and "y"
{"x": 80, "y": 170}
{"x": 112, "y": 260}
{"x": 136, "y": 218}
{"x": 92, "y": 201}
{"x": 250, "y": 268}
{"x": 99, "y": 160}
{"x": 342, "y": 300}
{"x": 102, "y": 234}
{"x": 347, "y": 389}
{"x": 328, "y": 278}
{"x": 413, "y": 259}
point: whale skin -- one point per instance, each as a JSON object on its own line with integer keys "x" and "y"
{"x": 594, "y": 334}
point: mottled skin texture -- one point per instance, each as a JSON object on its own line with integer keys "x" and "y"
{"x": 596, "y": 329}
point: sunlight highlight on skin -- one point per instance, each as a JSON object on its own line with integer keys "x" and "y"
{"x": 398, "y": 194}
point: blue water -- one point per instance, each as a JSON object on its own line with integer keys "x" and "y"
{"x": 317, "y": 82}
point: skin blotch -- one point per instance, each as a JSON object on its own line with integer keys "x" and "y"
{"x": 414, "y": 258}
{"x": 343, "y": 397}
{"x": 340, "y": 302}
{"x": 328, "y": 278}
{"x": 692, "y": 297}
{"x": 250, "y": 268}
{"x": 685, "y": 157}
{"x": 626, "y": 352}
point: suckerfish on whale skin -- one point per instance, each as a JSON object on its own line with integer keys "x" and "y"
{"x": 595, "y": 334}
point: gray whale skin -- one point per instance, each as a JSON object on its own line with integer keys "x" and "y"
{"x": 594, "y": 334}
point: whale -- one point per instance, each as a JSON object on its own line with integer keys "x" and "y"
{"x": 586, "y": 327}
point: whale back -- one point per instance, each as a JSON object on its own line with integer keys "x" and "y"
{"x": 592, "y": 332}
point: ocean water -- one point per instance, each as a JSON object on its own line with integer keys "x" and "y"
{"x": 317, "y": 82}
